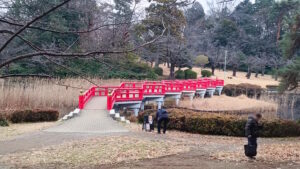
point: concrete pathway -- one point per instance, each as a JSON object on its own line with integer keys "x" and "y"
{"x": 93, "y": 119}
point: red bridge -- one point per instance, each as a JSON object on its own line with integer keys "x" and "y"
{"x": 135, "y": 94}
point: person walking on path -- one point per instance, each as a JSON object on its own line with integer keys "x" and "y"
{"x": 162, "y": 117}
{"x": 252, "y": 128}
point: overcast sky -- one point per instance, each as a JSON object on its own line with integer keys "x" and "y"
{"x": 144, "y": 3}
{"x": 204, "y": 3}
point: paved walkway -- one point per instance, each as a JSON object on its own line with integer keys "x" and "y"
{"x": 93, "y": 119}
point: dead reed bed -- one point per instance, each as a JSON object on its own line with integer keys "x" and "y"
{"x": 31, "y": 93}
{"x": 241, "y": 105}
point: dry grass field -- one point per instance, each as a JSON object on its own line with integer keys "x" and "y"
{"x": 226, "y": 103}
{"x": 241, "y": 105}
{"x": 55, "y": 94}
{"x": 262, "y": 81}
{"x": 7, "y": 133}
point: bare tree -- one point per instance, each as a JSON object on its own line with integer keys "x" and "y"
{"x": 97, "y": 33}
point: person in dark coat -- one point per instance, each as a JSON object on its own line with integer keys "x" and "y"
{"x": 162, "y": 117}
{"x": 252, "y": 128}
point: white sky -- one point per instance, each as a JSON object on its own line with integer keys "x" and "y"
{"x": 204, "y": 3}
{"x": 144, "y": 3}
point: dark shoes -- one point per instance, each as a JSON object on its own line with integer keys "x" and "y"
{"x": 251, "y": 158}
{"x": 160, "y": 133}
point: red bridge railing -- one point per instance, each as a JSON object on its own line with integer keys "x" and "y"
{"x": 154, "y": 89}
{"x": 219, "y": 82}
{"x": 173, "y": 87}
{"x": 135, "y": 91}
{"x": 189, "y": 85}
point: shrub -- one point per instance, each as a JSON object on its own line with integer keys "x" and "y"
{"x": 206, "y": 73}
{"x": 3, "y": 121}
{"x": 149, "y": 106}
{"x": 34, "y": 116}
{"x": 158, "y": 71}
{"x": 217, "y": 124}
{"x": 179, "y": 74}
{"x": 132, "y": 119}
{"x": 190, "y": 74}
{"x": 249, "y": 90}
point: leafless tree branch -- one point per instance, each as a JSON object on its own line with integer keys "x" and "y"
{"x": 87, "y": 54}
{"x": 25, "y": 75}
{"x": 31, "y": 22}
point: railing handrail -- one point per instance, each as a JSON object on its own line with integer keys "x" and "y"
{"x": 136, "y": 90}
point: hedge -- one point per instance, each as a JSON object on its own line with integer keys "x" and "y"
{"x": 249, "y": 90}
{"x": 179, "y": 74}
{"x": 216, "y": 124}
{"x": 158, "y": 71}
{"x": 190, "y": 74}
{"x": 3, "y": 121}
{"x": 34, "y": 116}
{"x": 206, "y": 73}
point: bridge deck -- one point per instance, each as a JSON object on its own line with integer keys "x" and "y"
{"x": 93, "y": 119}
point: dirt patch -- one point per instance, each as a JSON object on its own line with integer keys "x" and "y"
{"x": 7, "y": 133}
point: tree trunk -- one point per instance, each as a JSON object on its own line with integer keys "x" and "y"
{"x": 276, "y": 73}
{"x": 172, "y": 69}
{"x": 156, "y": 62}
{"x": 263, "y": 71}
{"x": 213, "y": 69}
{"x": 151, "y": 64}
{"x": 6, "y": 70}
{"x": 279, "y": 27}
{"x": 256, "y": 73}
{"x": 249, "y": 72}
{"x": 234, "y": 69}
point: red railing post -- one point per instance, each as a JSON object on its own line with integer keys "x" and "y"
{"x": 81, "y": 100}
{"x": 109, "y": 101}
{"x": 93, "y": 91}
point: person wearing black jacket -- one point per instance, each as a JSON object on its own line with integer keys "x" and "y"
{"x": 162, "y": 117}
{"x": 252, "y": 128}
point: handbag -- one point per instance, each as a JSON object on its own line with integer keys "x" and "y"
{"x": 250, "y": 150}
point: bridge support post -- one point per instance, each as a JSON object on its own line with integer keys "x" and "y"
{"x": 191, "y": 97}
{"x": 177, "y": 101}
{"x": 159, "y": 104}
{"x": 210, "y": 92}
{"x": 201, "y": 93}
{"x": 219, "y": 90}
{"x": 143, "y": 106}
{"x": 136, "y": 112}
